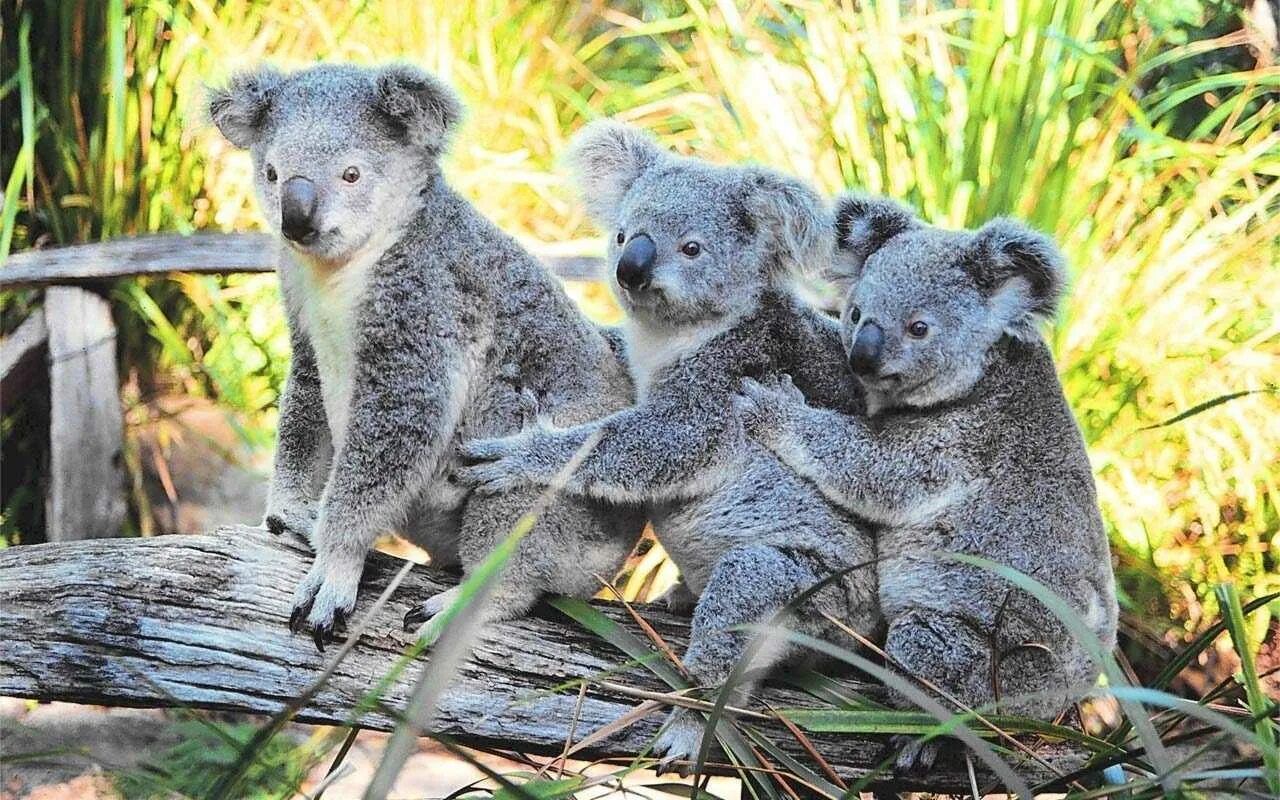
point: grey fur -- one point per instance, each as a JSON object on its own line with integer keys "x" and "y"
{"x": 747, "y": 533}
{"x": 415, "y": 323}
{"x": 969, "y": 447}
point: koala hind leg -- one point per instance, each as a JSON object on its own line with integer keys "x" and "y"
{"x": 955, "y": 655}
{"x": 747, "y": 586}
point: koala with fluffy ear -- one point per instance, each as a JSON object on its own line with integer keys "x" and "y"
{"x": 415, "y": 324}
{"x": 702, "y": 257}
{"x": 968, "y": 446}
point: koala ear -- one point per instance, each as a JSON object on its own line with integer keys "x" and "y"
{"x": 419, "y": 107}
{"x": 606, "y": 158}
{"x": 1021, "y": 270}
{"x": 796, "y": 215}
{"x": 240, "y": 108}
{"x": 863, "y": 224}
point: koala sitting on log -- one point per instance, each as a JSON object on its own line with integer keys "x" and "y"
{"x": 415, "y": 323}
{"x": 967, "y": 446}
{"x": 702, "y": 255}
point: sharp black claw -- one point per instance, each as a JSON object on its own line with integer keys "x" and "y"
{"x": 276, "y": 525}
{"x": 414, "y": 618}
{"x": 298, "y": 618}
{"x": 318, "y": 634}
{"x": 340, "y": 621}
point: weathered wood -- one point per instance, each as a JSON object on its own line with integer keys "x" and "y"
{"x": 208, "y": 253}
{"x": 22, "y": 358}
{"x": 86, "y": 480}
{"x": 200, "y": 621}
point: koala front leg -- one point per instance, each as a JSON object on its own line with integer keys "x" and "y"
{"x": 301, "y": 445}
{"x": 403, "y": 415}
{"x": 748, "y": 585}
{"x": 883, "y": 475}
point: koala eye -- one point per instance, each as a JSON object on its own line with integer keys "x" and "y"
{"x": 271, "y": 174}
{"x": 351, "y": 175}
{"x": 855, "y": 314}
{"x": 622, "y": 237}
{"x": 691, "y": 249}
{"x": 918, "y": 329}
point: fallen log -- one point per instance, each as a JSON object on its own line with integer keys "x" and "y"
{"x": 201, "y": 622}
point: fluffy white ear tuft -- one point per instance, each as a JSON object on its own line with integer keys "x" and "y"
{"x": 863, "y": 224}
{"x": 1021, "y": 270}
{"x": 240, "y": 109}
{"x": 418, "y": 106}
{"x": 606, "y": 158}
{"x": 796, "y": 216}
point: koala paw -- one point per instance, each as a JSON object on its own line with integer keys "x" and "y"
{"x": 677, "y": 746}
{"x": 299, "y": 519}
{"x": 915, "y": 757}
{"x": 762, "y": 407}
{"x": 498, "y": 465}
{"x": 427, "y": 610}
{"x": 325, "y": 599}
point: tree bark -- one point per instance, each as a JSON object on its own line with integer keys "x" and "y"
{"x": 201, "y": 622}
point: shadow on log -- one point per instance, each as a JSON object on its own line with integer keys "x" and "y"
{"x": 200, "y": 621}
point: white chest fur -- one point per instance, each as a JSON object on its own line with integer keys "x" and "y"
{"x": 650, "y": 348}
{"x": 330, "y": 303}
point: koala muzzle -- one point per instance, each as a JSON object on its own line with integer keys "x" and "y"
{"x": 635, "y": 265}
{"x": 864, "y": 357}
{"x": 298, "y": 202}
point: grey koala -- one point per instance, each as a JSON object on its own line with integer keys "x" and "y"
{"x": 415, "y": 323}
{"x": 702, "y": 256}
{"x": 967, "y": 446}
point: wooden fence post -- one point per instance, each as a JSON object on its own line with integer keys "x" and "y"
{"x": 86, "y": 426}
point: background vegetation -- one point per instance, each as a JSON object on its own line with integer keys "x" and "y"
{"x": 1142, "y": 135}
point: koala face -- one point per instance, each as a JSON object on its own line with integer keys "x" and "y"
{"x": 339, "y": 151}
{"x": 689, "y": 241}
{"x": 925, "y": 305}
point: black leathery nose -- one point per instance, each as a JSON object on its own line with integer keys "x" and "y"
{"x": 864, "y": 357}
{"x": 635, "y": 264}
{"x": 298, "y": 202}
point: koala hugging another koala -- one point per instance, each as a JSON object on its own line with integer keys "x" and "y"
{"x": 703, "y": 255}
{"x": 967, "y": 446}
{"x": 415, "y": 324}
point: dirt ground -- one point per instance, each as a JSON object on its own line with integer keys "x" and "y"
{"x": 62, "y": 751}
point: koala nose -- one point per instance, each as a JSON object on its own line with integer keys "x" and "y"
{"x": 864, "y": 357}
{"x": 635, "y": 265}
{"x": 298, "y": 201}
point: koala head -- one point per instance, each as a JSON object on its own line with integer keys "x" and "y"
{"x": 340, "y": 152}
{"x": 926, "y": 305}
{"x": 689, "y": 241}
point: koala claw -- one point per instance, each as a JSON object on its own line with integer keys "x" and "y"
{"x": 678, "y": 743}
{"x": 915, "y": 757}
{"x": 324, "y": 600}
{"x": 428, "y": 609}
{"x": 276, "y": 525}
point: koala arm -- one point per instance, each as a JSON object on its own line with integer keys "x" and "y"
{"x": 407, "y": 399}
{"x": 666, "y": 448}
{"x": 895, "y": 475}
{"x": 642, "y": 454}
{"x": 302, "y": 442}
{"x": 812, "y": 352}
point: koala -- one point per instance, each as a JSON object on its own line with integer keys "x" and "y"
{"x": 702, "y": 256}
{"x": 415, "y": 324}
{"x": 967, "y": 445}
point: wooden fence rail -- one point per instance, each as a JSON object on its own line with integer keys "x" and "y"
{"x": 201, "y": 621}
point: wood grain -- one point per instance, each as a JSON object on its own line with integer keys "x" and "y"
{"x": 86, "y": 429}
